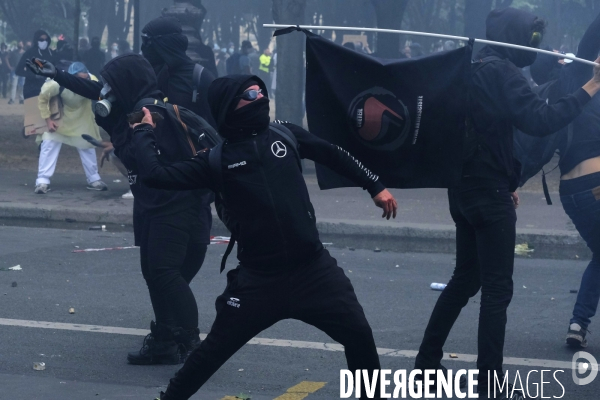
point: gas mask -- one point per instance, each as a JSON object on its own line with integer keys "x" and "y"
{"x": 107, "y": 99}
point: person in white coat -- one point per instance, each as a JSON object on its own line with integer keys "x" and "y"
{"x": 77, "y": 119}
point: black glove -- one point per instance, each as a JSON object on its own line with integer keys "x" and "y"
{"x": 41, "y": 67}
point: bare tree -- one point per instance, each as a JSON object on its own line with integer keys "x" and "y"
{"x": 389, "y": 16}
{"x": 290, "y": 61}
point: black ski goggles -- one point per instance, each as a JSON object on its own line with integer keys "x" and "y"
{"x": 250, "y": 95}
{"x": 536, "y": 39}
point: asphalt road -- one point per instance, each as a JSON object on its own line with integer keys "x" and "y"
{"x": 106, "y": 289}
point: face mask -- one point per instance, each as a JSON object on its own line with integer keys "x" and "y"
{"x": 104, "y": 106}
{"x": 115, "y": 48}
{"x": 246, "y": 120}
{"x": 151, "y": 55}
{"x": 231, "y": 50}
{"x": 43, "y": 45}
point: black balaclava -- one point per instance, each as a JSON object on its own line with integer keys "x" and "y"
{"x": 236, "y": 124}
{"x": 167, "y": 43}
{"x": 510, "y": 25}
{"x": 545, "y": 68}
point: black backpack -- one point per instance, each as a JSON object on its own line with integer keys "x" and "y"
{"x": 535, "y": 152}
{"x": 214, "y": 161}
{"x": 198, "y": 133}
{"x": 197, "y": 75}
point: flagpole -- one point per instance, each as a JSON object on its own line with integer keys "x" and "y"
{"x": 437, "y": 35}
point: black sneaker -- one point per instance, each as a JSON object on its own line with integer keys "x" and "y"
{"x": 517, "y": 395}
{"x": 158, "y": 348}
{"x": 576, "y": 336}
{"x": 188, "y": 339}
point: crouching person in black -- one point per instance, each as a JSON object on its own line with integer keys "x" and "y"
{"x": 284, "y": 271}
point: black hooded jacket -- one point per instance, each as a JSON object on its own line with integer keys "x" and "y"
{"x": 94, "y": 57}
{"x": 173, "y": 68}
{"x": 263, "y": 188}
{"x": 34, "y": 83}
{"x": 132, "y": 78}
{"x": 500, "y": 97}
{"x": 585, "y": 142}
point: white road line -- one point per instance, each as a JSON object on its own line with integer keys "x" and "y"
{"x": 526, "y": 362}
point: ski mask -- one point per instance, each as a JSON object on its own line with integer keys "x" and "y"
{"x": 510, "y": 25}
{"x": 223, "y": 97}
{"x": 164, "y": 43}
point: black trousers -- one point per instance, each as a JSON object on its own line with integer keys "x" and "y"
{"x": 319, "y": 294}
{"x": 485, "y": 241}
{"x": 172, "y": 250}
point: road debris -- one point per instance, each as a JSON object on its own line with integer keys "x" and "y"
{"x": 241, "y": 370}
{"x": 377, "y": 250}
{"x": 70, "y": 220}
{"x": 98, "y": 228}
{"x": 39, "y": 366}
{"x": 219, "y": 239}
{"x": 453, "y": 355}
{"x": 351, "y": 248}
{"x": 438, "y": 286}
{"x": 523, "y": 249}
{"x": 15, "y": 268}
{"x": 14, "y": 284}
{"x": 104, "y": 249}
{"x": 71, "y": 310}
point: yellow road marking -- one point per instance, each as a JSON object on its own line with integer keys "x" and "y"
{"x": 301, "y": 390}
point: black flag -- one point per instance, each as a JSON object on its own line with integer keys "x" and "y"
{"x": 404, "y": 119}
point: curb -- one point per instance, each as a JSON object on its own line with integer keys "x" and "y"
{"x": 383, "y": 235}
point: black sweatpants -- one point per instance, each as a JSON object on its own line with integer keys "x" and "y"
{"x": 485, "y": 219}
{"x": 319, "y": 294}
{"x": 172, "y": 250}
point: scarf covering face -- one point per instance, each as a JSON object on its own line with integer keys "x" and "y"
{"x": 167, "y": 43}
{"x": 249, "y": 119}
{"x": 510, "y": 25}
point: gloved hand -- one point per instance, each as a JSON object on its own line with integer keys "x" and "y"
{"x": 41, "y": 67}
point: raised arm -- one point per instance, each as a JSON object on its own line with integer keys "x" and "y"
{"x": 339, "y": 160}
{"x": 87, "y": 88}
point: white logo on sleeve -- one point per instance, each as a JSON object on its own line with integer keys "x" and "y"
{"x": 279, "y": 149}
{"x": 233, "y": 302}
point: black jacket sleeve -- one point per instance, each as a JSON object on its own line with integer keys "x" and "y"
{"x": 532, "y": 115}
{"x": 183, "y": 175}
{"x": 588, "y": 49}
{"x": 83, "y": 87}
{"x": 339, "y": 160}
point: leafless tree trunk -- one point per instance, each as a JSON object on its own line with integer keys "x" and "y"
{"x": 290, "y": 61}
{"x": 389, "y": 16}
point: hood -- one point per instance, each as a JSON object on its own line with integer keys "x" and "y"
{"x": 510, "y": 25}
{"x": 131, "y": 78}
{"x": 222, "y": 93}
{"x": 545, "y": 68}
{"x": 37, "y": 35}
{"x": 168, "y": 43}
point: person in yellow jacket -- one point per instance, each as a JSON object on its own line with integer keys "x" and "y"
{"x": 77, "y": 119}
{"x": 265, "y": 68}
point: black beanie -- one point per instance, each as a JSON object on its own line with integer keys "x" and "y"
{"x": 162, "y": 26}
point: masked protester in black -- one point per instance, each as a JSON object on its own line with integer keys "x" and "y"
{"x": 164, "y": 46}
{"x": 580, "y": 169}
{"x": 167, "y": 224}
{"x": 483, "y": 206}
{"x": 284, "y": 271}
{"x": 40, "y": 49}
